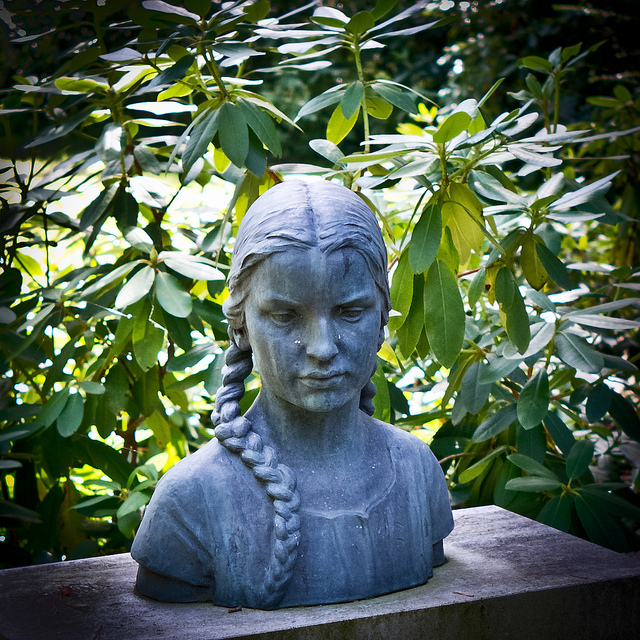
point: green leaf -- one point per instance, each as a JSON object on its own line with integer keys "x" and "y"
{"x": 361, "y": 22}
{"x": 553, "y": 266}
{"x": 233, "y": 133}
{"x": 160, "y": 427}
{"x": 453, "y": 126}
{"x": 556, "y": 513}
{"x": 191, "y": 357}
{"x": 81, "y": 85}
{"x": 135, "y": 501}
{"x": 401, "y": 291}
{"x": 625, "y": 415}
{"x": 139, "y": 239}
{"x": 148, "y": 340}
{"x": 107, "y": 459}
{"x": 382, "y": 8}
{"x": 327, "y": 150}
{"x": 97, "y": 207}
{"x": 476, "y": 287}
{"x": 171, "y": 296}
{"x": 378, "y": 108}
{"x": 473, "y": 391}
{"x": 254, "y": 12}
{"x": 352, "y": 99}
{"x": 137, "y": 287}
{"x": 489, "y": 188}
{"x": 531, "y": 466}
{"x": 599, "y": 525}
{"x": 496, "y": 423}
{"x": 444, "y": 313}
{"x": 381, "y": 400}
{"x": 201, "y": 136}
{"x": 598, "y": 402}
{"x": 325, "y": 99}
{"x": 70, "y": 419}
{"x": 145, "y": 392}
{"x": 518, "y": 328}
{"x": 196, "y": 269}
{"x": 498, "y": 368}
{"x": 505, "y": 287}
{"x": 535, "y": 484}
{"x": 532, "y": 442}
{"x": 112, "y": 276}
{"x": 53, "y": 407}
{"x": 535, "y": 62}
{"x": 409, "y": 333}
{"x": 559, "y": 432}
{"x": 395, "y": 96}
{"x": 532, "y": 266}
{"x": 614, "y": 504}
{"x": 579, "y": 458}
{"x": 165, "y": 7}
{"x": 262, "y": 125}
{"x": 575, "y": 352}
{"x": 472, "y": 472}
{"x": 93, "y": 388}
{"x": 533, "y": 402}
{"x": 425, "y": 239}
{"x": 125, "y": 210}
{"x": 338, "y": 126}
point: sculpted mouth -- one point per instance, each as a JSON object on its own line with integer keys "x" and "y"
{"x": 322, "y": 377}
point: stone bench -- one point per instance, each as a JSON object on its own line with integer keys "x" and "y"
{"x": 506, "y": 577}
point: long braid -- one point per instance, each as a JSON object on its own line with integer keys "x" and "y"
{"x": 234, "y": 432}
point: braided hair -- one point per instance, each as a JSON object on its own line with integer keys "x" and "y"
{"x": 291, "y": 214}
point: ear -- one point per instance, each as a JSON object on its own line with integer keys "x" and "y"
{"x": 240, "y": 337}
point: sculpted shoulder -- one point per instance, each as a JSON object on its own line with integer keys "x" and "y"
{"x": 209, "y": 466}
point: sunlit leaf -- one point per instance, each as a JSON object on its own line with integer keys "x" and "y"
{"x": 171, "y": 296}
{"x": 453, "y": 126}
{"x": 137, "y": 287}
{"x": 339, "y": 126}
{"x": 192, "y": 268}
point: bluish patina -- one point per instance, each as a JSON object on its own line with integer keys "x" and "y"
{"x": 306, "y": 499}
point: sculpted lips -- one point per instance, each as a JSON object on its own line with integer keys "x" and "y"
{"x": 322, "y": 378}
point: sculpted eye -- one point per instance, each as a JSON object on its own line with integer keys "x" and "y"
{"x": 282, "y": 317}
{"x": 350, "y": 313}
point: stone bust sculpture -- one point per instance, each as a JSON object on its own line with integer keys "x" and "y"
{"x": 307, "y": 499}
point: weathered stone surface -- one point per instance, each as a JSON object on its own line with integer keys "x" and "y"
{"x": 507, "y": 577}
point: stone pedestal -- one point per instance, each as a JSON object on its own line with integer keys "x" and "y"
{"x": 506, "y": 577}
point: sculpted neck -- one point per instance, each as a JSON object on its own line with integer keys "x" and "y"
{"x": 305, "y": 435}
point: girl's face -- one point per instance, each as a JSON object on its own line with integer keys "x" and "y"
{"x": 313, "y": 321}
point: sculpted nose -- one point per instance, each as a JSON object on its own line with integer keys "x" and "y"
{"x": 322, "y": 341}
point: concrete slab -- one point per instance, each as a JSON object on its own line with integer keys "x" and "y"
{"x": 507, "y": 577}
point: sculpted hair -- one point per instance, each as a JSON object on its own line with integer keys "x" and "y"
{"x": 291, "y": 215}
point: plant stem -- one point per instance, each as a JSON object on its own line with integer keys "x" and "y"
{"x": 365, "y": 115}
{"x": 213, "y": 70}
